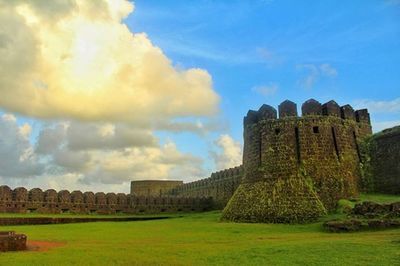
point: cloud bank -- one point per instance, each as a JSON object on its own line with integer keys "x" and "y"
{"x": 229, "y": 154}
{"x": 77, "y": 59}
{"x": 104, "y": 90}
{"x": 90, "y": 155}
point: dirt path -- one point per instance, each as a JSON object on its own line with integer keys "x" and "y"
{"x": 43, "y": 245}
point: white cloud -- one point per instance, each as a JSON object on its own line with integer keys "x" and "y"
{"x": 107, "y": 136}
{"x": 379, "y": 126}
{"x": 90, "y": 154}
{"x": 17, "y": 158}
{"x": 374, "y": 106}
{"x": 315, "y": 72}
{"x": 77, "y": 59}
{"x": 229, "y": 154}
{"x": 266, "y": 90}
{"x": 328, "y": 70}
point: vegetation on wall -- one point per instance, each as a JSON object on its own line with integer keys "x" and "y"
{"x": 380, "y": 164}
{"x": 291, "y": 200}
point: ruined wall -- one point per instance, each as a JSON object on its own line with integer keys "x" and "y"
{"x": 296, "y": 168}
{"x": 220, "y": 186}
{"x": 382, "y": 162}
{"x": 154, "y": 188}
{"x": 20, "y": 200}
{"x": 10, "y": 241}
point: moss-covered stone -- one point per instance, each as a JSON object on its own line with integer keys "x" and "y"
{"x": 380, "y": 163}
{"x": 291, "y": 200}
{"x": 297, "y": 168}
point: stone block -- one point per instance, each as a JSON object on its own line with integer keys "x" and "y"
{"x": 311, "y": 107}
{"x": 287, "y": 108}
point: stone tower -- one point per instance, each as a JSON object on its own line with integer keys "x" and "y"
{"x": 296, "y": 168}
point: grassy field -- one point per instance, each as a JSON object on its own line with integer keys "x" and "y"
{"x": 200, "y": 239}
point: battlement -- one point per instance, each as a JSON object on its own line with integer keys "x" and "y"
{"x": 20, "y": 200}
{"x": 220, "y": 186}
{"x": 153, "y": 187}
{"x": 310, "y": 107}
{"x": 282, "y": 155}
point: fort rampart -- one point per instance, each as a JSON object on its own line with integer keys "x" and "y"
{"x": 154, "y": 188}
{"x": 220, "y": 186}
{"x": 382, "y": 161}
{"x": 296, "y": 168}
{"x": 20, "y": 200}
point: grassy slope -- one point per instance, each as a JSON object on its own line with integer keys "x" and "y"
{"x": 199, "y": 239}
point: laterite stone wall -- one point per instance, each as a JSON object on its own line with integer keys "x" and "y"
{"x": 220, "y": 186}
{"x": 296, "y": 168}
{"x": 154, "y": 188}
{"x": 383, "y": 161}
{"x": 10, "y": 241}
{"x": 20, "y": 200}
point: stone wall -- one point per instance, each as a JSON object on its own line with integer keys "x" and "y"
{"x": 20, "y": 200}
{"x": 220, "y": 186}
{"x": 296, "y": 168}
{"x": 154, "y": 188}
{"x": 382, "y": 166}
{"x": 10, "y": 241}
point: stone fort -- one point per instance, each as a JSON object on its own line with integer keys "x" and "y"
{"x": 295, "y": 169}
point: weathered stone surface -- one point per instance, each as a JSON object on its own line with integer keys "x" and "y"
{"x": 370, "y": 209}
{"x": 267, "y": 112}
{"x": 250, "y": 118}
{"x": 274, "y": 201}
{"x": 287, "y": 108}
{"x": 89, "y": 198}
{"x": 368, "y": 216}
{"x": 77, "y": 202}
{"x": 20, "y": 194}
{"x": 338, "y": 226}
{"x": 354, "y": 225}
{"x": 220, "y": 186}
{"x": 77, "y": 197}
{"x": 50, "y": 196}
{"x": 362, "y": 115}
{"x": 64, "y": 196}
{"x": 111, "y": 198}
{"x": 347, "y": 112}
{"x": 154, "y": 188}
{"x": 5, "y": 193}
{"x": 10, "y": 241}
{"x": 311, "y": 107}
{"x": 331, "y": 108}
{"x": 36, "y": 194}
{"x": 382, "y": 162}
{"x": 318, "y": 153}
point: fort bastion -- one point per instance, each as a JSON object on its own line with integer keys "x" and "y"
{"x": 295, "y": 169}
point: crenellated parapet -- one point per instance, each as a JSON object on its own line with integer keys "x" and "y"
{"x": 284, "y": 155}
{"x": 220, "y": 186}
{"x": 50, "y": 201}
{"x": 288, "y": 109}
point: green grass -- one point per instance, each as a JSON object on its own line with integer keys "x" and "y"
{"x": 63, "y": 215}
{"x": 200, "y": 239}
{"x": 380, "y": 198}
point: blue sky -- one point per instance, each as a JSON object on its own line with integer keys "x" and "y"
{"x": 255, "y": 52}
{"x": 277, "y": 45}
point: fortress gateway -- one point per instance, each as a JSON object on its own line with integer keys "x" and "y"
{"x": 294, "y": 169}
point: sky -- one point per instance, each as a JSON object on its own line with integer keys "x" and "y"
{"x": 98, "y": 93}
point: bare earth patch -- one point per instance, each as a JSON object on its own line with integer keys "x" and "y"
{"x": 43, "y": 245}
